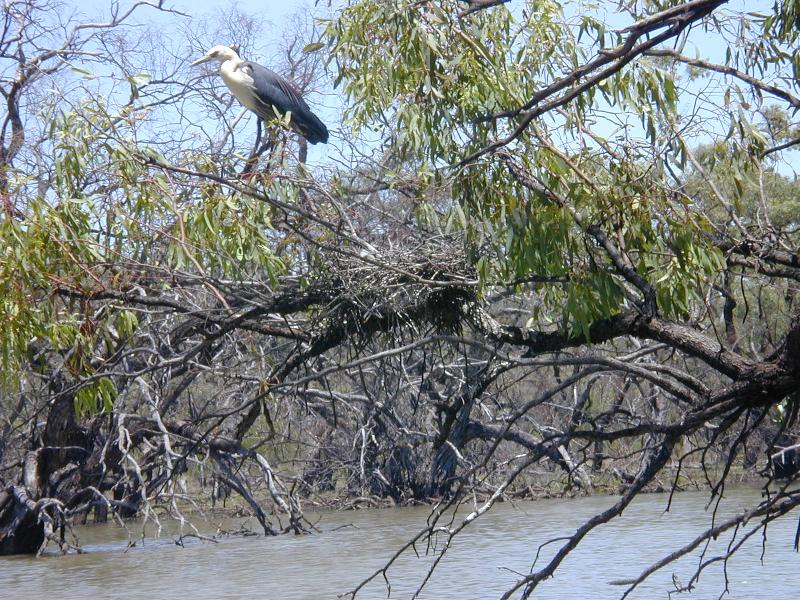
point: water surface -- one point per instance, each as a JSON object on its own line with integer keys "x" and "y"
{"x": 481, "y": 564}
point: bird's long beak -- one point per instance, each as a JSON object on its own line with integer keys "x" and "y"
{"x": 200, "y": 61}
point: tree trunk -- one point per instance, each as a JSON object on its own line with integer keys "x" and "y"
{"x": 21, "y": 531}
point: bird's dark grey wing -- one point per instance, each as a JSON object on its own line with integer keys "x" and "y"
{"x": 273, "y": 90}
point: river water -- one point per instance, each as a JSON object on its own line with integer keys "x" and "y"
{"x": 481, "y": 563}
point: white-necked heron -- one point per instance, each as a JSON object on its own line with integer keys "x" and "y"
{"x": 260, "y": 89}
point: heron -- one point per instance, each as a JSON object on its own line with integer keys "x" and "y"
{"x": 264, "y": 92}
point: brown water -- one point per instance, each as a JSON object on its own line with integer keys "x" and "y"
{"x": 478, "y": 566}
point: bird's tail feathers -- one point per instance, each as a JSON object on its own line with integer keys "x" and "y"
{"x": 313, "y": 129}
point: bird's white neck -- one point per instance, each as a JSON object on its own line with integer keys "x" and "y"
{"x": 229, "y": 68}
{"x": 238, "y": 81}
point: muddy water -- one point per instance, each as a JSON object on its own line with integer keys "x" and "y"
{"x": 481, "y": 564}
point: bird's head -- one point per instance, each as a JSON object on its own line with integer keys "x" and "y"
{"x": 219, "y": 53}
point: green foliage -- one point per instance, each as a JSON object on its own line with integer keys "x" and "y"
{"x": 445, "y": 86}
{"x": 96, "y": 396}
{"x": 442, "y": 88}
{"x": 435, "y": 76}
{"x": 109, "y": 215}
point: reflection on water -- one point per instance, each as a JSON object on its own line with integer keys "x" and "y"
{"x": 482, "y": 563}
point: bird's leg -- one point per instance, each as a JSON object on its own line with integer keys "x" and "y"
{"x": 253, "y": 158}
{"x": 261, "y": 147}
{"x": 258, "y": 138}
{"x": 268, "y": 143}
{"x": 302, "y": 152}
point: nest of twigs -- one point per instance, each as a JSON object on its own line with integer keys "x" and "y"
{"x": 431, "y": 280}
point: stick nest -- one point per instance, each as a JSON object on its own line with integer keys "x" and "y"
{"x": 430, "y": 281}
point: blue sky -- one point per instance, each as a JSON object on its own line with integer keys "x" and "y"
{"x": 271, "y": 10}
